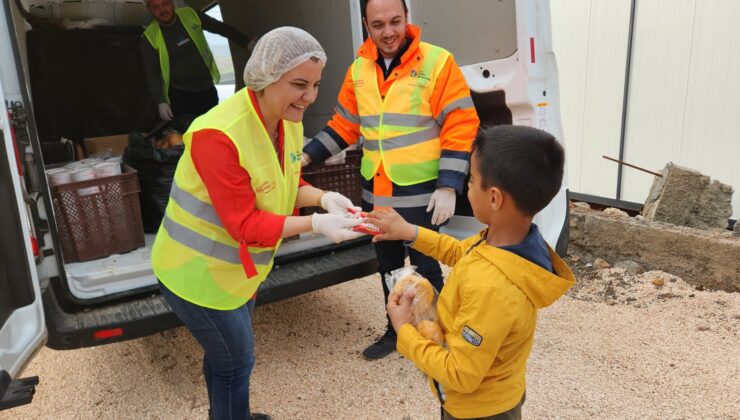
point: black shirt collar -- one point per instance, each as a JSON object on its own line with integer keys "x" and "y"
{"x": 396, "y": 60}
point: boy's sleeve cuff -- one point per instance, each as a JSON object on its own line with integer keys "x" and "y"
{"x": 416, "y": 235}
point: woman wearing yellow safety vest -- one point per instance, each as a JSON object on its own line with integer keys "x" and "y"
{"x": 232, "y": 198}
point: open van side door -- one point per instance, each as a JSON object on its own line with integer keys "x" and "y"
{"x": 22, "y": 326}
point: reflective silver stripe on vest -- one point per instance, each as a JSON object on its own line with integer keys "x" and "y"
{"x": 370, "y": 121}
{"x": 403, "y": 120}
{"x": 405, "y": 140}
{"x": 344, "y": 112}
{"x": 462, "y": 103}
{"x": 209, "y": 247}
{"x": 328, "y": 142}
{"x": 453, "y": 164}
{"x": 200, "y": 243}
{"x": 408, "y": 120}
{"x": 421, "y": 200}
{"x": 194, "y": 206}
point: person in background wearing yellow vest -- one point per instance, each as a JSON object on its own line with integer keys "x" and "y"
{"x": 179, "y": 65}
{"x": 233, "y": 196}
{"x": 410, "y": 107}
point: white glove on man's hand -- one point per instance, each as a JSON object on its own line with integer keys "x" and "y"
{"x": 335, "y": 227}
{"x": 165, "y": 112}
{"x": 443, "y": 203}
{"x": 336, "y": 203}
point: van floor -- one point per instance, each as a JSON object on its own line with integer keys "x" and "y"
{"x": 113, "y": 274}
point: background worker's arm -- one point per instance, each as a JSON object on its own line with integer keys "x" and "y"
{"x": 453, "y": 108}
{"x": 465, "y": 362}
{"x": 225, "y": 30}
{"x": 341, "y": 131}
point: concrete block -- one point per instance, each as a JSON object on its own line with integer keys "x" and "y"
{"x": 701, "y": 258}
{"x": 685, "y": 197}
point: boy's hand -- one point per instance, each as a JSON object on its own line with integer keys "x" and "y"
{"x": 399, "y": 309}
{"x": 392, "y": 225}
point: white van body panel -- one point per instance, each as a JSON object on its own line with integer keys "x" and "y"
{"x": 24, "y": 331}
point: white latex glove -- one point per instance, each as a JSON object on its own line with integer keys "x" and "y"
{"x": 165, "y": 112}
{"x": 443, "y": 203}
{"x": 335, "y": 227}
{"x": 336, "y": 203}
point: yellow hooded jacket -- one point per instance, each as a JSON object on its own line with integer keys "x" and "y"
{"x": 488, "y": 312}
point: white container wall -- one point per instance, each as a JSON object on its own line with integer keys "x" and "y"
{"x": 683, "y": 91}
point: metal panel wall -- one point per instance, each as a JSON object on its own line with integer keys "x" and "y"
{"x": 590, "y": 44}
{"x": 682, "y": 93}
{"x": 683, "y": 98}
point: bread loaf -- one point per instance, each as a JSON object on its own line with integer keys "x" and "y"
{"x": 431, "y": 331}
{"x": 423, "y": 307}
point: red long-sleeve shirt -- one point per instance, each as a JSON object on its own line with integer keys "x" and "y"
{"x": 229, "y": 186}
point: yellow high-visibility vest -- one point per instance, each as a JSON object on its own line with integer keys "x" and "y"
{"x": 193, "y": 255}
{"x": 400, "y": 130}
{"x": 191, "y": 22}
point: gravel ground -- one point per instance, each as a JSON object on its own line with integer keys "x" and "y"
{"x": 618, "y": 346}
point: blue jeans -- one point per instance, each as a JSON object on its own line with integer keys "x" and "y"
{"x": 228, "y": 359}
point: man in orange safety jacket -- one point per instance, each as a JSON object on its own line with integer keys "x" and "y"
{"x": 408, "y": 106}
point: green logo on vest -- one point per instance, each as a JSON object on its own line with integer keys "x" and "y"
{"x": 294, "y": 157}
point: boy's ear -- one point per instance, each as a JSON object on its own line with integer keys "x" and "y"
{"x": 497, "y": 198}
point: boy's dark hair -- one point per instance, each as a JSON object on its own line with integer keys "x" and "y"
{"x": 363, "y": 5}
{"x": 523, "y": 161}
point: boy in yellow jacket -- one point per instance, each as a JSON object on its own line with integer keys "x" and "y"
{"x": 500, "y": 277}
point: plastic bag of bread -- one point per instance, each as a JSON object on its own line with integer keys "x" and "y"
{"x": 423, "y": 306}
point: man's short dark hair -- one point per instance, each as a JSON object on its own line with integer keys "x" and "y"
{"x": 363, "y": 5}
{"x": 525, "y": 162}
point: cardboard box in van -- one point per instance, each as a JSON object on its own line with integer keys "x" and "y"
{"x": 114, "y": 144}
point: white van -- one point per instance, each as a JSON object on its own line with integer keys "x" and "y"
{"x": 55, "y": 81}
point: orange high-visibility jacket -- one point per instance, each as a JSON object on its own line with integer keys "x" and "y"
{"x": 449, "y": 102}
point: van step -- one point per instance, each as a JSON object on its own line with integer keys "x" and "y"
{"x": 19, "y": 392}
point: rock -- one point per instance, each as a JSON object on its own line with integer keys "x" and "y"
{"x": 736, "y": 231}
{"x": 575, "y": 258}
{"x": 581, "y": 204}
{"x": 658, "y": 282}
{"x": 611, "y": 211}
{"x": 630, "y": 267}
{"x": 703, "y": 328}
{"x": 602, "y": 264}
{"x": 685, "y": 197}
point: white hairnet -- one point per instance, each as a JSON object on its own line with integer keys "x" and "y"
{"x": 277, "y": 52}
